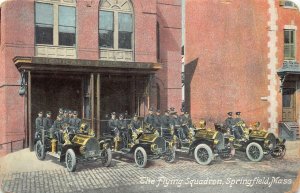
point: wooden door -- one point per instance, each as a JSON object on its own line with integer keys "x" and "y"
{"x": 288, "y": 104}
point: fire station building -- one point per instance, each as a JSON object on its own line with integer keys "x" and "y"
{"x": 93, "y": 56}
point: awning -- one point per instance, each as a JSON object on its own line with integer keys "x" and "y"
{"x": 290, "y": 67}
{"x": 57, "y": 65}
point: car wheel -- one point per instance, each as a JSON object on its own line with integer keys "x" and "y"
{"x": 40, "y": 150}
{"x": 140, "y": 157}
{"x": 71, "y": 160}
{"x": 254, "y": 152}
{"x": 170, "y": 155}
{"x": 106, "y": 157}
{"x": 203, "y": 154}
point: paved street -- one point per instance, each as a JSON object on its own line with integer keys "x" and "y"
{"x": 185, "y": 175}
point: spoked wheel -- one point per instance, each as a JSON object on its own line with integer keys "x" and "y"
{"x": 254, "y": 152}
{"x": 203, "y": 154}
{"x": 106, "y": 157}
{"x": 140, "y": 157}
{"x": 170, "y": 155}
{"x": 40, "y": 150}
{"x": 71, "y": 160}
{"x": 279, "y": 152}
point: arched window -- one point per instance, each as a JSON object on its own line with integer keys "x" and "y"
{"x": 116, "y": 36}
{"x": 55, "y": 28}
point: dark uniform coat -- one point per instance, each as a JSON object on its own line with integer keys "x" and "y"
{"x": 136, "y": 124}
{"x": 157, "y": 121}
{"x": 38, "y": 123}
{"x": 47, "y": 123}
{"x": 186, "y": 120}
{"x": 165, "y": 121}
{"x": 229, "y": 122}
{"x": 122, "y": 124}
{"x": 75, "y": 122}
{"x": 112, "y": 124}
{"x": 150, "y": 119}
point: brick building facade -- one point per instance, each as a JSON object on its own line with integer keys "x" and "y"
{"x": 235, "y": 51}
{"x": 87, "y": 55}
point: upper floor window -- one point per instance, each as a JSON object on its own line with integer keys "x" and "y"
{"x": 290, "y": 4}
{"x": 289, "y": 44}
{"x": 116, "y": 25}
{"x": 55, "y": 23}
{"x": 43, "y": 23}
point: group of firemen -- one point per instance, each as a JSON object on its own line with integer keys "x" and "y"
{"x": 64, "y": 116}
{"x": 154, "y": 120}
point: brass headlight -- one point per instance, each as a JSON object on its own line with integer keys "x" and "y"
{"x": 216, "y": 141}
{"x": 153, "y": 147}
{"x": 82, "y": 149}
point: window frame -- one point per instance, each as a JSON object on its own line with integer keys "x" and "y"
{"x": 116, "y": 13}
{"x": 290, "y": 45}
{"x": 56, "y": 25}
{"x": 75, "y": 27}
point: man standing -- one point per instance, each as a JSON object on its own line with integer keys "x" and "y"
{"x": 122, "y": 126}
{"x": 48, "y": 122}
{"x": 186, "y": 122}
{"x": 65, "y": 118}
{"x": 157, "y": 120}
{"x": 175, "y": 124}
{"x": 150, "y": 118}
{"x": 39, "y": 121}
{"x": 165, "y": 122}
{"x": 61, "y": 112}
{"x": 113, "y": 124}
{"x": 75, "y": 121}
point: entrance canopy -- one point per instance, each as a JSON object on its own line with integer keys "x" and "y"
{"x": 288, "y": 68}
{"x": 84, "y": 66}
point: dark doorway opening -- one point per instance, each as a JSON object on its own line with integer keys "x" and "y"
{"x": 51, "y": 93}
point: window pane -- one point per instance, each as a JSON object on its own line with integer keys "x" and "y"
{"x": 125, "y": 22}
{"x": 67, "y": 36}
{"x": 106, "y": 20}
{"x": 106, "y": 39}
{"x": 43, "y": 13}
{"x": 67, "y": 16}
{"x": 43, "y": 34}
{"x": 125, "y": 40}
{"x": 286, "y": 36}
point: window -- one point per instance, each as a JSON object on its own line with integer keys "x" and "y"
{"x": 289, "y": 4}
{"x": 125, "y": 30}
{"x": 106, "y": 31}
{"x": 43, "y": 23}
{"x": 289, "y": 44}
{"x": 55, "y": 24}
{"x": 116, "y": 25}
{"x": 67, "y": 26}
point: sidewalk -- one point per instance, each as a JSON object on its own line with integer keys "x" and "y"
{"x": 25, "y": 161}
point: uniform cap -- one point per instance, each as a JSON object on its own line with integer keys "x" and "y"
{"x": 135, "y": 115}
{"x": 113, "y": 113}
{"x": 151, "y": 109}
{"x": 75, "y": 113}
{"x": 121, "y": 115}
{"x": 49, "y": 113}
{"x": 40, "y": 112}
{"x": 66, "y": 111}
{"x": 158, "y": 111}
{"x": 238, "y": 113}
{"x": 229, "y": 113}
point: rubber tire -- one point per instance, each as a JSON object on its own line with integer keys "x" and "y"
{"x": 260, "y": 151}
{"x": 174, "y": 156}
{"x": 109, "y": 157}
{"x": 43, "y": 154}
{"x": 209, "y": 151}
{"x": 71, "y": 168}
{"x": 142, "y": 150}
